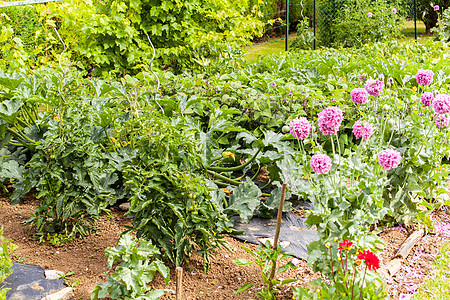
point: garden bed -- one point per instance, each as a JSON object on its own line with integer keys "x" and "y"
{"x": 86, "y": 259}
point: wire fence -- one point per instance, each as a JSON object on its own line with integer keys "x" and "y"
{"x": 327, "y": 23}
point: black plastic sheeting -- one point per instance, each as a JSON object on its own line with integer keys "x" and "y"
{"x": 28, "y": 282}
{"x": 293, "y": 233}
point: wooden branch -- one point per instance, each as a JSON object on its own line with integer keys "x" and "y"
{"x": 395, "y": 264}
{"x": 407, "y": 245}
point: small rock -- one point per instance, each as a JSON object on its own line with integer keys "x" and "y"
{"x": 53, "y": 274}
{"x": 125, "y": 206}
{"x": 64, "y": 294}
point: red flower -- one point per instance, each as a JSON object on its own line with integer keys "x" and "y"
{"x": 345, "y": 245}
{"x": 372, "y": 261}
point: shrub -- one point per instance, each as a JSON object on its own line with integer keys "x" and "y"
{"x": 443, "y": 26}
{"x": 170, "y": 205}
{"x": 360, "y": 22}
{"x": 112, "y": 35}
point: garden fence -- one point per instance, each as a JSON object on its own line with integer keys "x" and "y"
{"x": 320, "y": 15}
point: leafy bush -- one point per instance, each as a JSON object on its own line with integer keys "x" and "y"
{"x": 136, "y": 268}
{"x": 75, "y": 178}
{"x": 112, "y": 35}
{"x": 443, "y": 26}
{"x": 305, "y": 36}
{"x": 25, "y": 19}
{"x": 360, "y": 22}
{"x": 170, "y": 205}
{"x": 5, "y": 262}
{"x": 13, "y": 56}
{"x": 266, "y": 258}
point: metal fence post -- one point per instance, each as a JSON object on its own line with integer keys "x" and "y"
{"x": 314, "y": 24}
{"x": 415, "y": 20}
{"x": 286, "y": 47}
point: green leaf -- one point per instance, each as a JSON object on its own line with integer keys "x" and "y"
{"x": 244, "y": 287}
{"x": 155, "y": 294}
{"x": 10, "y": 83}
{"x": 10, "y": 169}
{"x": 289, "y": 280}
{"x": 242, "y": 262}
{"x": 271, "y": 138}
{"x": 274, "y": 200}
{"x": 245, "y": 200}
{"x": 247, "y": 137}
{"x": 286, "y": 267}
{"x": 9, "y": 109}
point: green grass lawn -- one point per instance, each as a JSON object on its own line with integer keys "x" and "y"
{"x": 408, "y": 32}
{"x": 273, "y": 46}
{"x": 277, "y": 45}
{"x": 437, "y": 287}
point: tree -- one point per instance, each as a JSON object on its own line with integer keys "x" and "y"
{"x": 112, "y": 34}
{"x": 426, "y": 13}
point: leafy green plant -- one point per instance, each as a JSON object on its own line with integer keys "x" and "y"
{"x": 6, "y": 247}
{"x": 136, "y": 268}
{"x": 58, "y": 239}
{"x": 361, "y": 22}
{"x": 305, "y": 37}
{"x": 170, "y": 205}
{"x": 75, "y": 178}
{"x": 267, "y": 258}
{"x": 347, "y": 280}
{"x": 117, "y": 30}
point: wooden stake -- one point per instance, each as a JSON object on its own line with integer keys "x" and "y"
{"x": 179, "y": 271}
{"x": 277, "y": 231}
{"x": 280, "y": 214}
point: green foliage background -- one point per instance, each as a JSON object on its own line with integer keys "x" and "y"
{"x": 111, "y": 35}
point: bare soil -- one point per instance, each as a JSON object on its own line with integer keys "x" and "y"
{"x": 86, "y": 259}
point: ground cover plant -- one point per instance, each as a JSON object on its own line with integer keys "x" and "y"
{"x": 6, "y": 247}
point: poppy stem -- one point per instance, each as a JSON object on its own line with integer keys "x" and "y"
{"x": 354, "y": 275}
{"x": 362, "y": 283}
{"x": 332, "y": 270}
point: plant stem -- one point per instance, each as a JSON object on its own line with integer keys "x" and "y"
{"x": 342, "y": 261}
{"x": 353, "y": 281}
{"x": 332, "y": 269}
{"x": 237, "y": 168}
{"x": 346, "y": 262}
{"x": 362, "y": 283}
{"x": 224, "y": 178}
{"x": 339, "y": 164}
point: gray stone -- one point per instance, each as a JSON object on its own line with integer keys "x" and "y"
{"x": 28, "y": 282}
{"x": 53, "y": 274}
{"x": 64, "y": 294}
{"x": 125, "y": 206}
